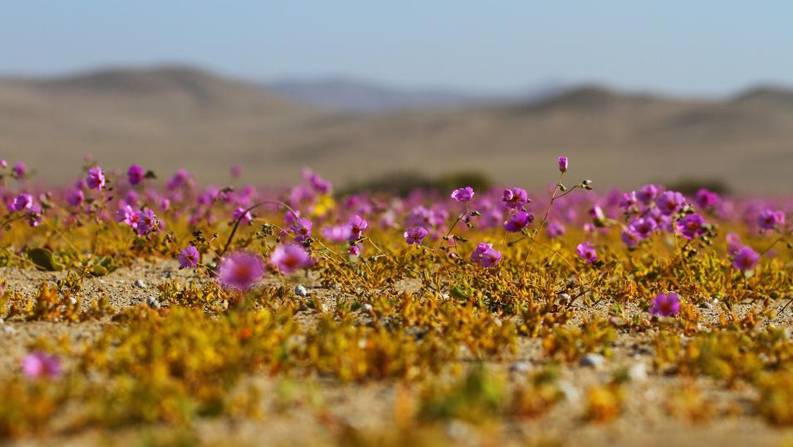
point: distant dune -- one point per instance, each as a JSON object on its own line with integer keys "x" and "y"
{"x": 171, "y": 117}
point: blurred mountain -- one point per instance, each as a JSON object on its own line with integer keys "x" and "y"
{"x": 170, "y": 117}
{"x": 356, "y": 95}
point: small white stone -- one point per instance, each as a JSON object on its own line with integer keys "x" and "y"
{"x": 140, "y": 284}
{"x": 520, "y": 367}
{"x": 570, "y": 392}
{"x": 593, "y": 360}
{"x": 9, "y": 330}
{"x": 301, "y": 291}
{"x": 152, "y": 302}
{"x": 638, "y": 372}
{"x": 72, "y": 300}
{"x": 367, "y": 307}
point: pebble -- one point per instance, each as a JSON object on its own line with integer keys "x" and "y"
{"x": 301, "y": 291}
{"x": 570, "y": 392}
{"x": 520, "y": 367}
{"x": 592, "y": 360}
{"x": 9, "y": 330}
{"x": 367, "y": 307}
{"x": 638, "y": 372}
{"x": 152, "y": 302}
{"x": 140, "y": 284}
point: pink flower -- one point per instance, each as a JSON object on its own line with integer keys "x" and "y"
{"x": 354, "y": 250}
{"x": 670, "y": 202}
{"x": 357, "y": 225}
{"x": 95, "y": 178}
{"x": 189, "y": 257}
{"x": 290, "y": 258}
{"x": 302, "y": 229}
{"x": 415, "y": 235}
{"x": 336, "y": 233}
{"x": 485, "y": 255}
{"x": 643, "y": 226}
{"x": 240, "y": 270}
{"x": 20, "y": 170}
{"x": 146, "y": 222}
{"x": 587, "y": 252}
{"x": 745, "y": 259}
{"x": 770, "y": 219}
{"x": 515, "y": 197}
{"x": 647, "y": 193}
{"x": 691, "y": 226}
{"x": 518, "y": 221}
{"x": 75, "y": 197}
{"x": 555, "y": 229}
{"x": 22, "y": 202}
{"x": 39, "y": 365}
{"x": 242, "y": 215}
{"x": 666, "y": 305}
{"x": 563, "y": 162}
{"x": 733, "y": 243}
{"x": 135, "y": 174}
{"x": 630, "y": 237}
{"x": 463, "y": 194}
{"x": 706, "y": 199}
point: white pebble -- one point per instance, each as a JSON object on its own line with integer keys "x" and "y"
{"x": 592, "y": 360}
{"x": 638, "y": 372}
{"x": 152, "y": 302}
{"x": 140, "y": 284}
{"x": 301, "y": 291}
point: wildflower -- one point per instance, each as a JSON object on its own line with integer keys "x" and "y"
{"x": 3, "y": 164}
{"x": 302, "y": 229}
{"x": 354, "y": 250}
{"x": 555, "y": 229}
{"x": 587, "y": 252}
{"x": 39, "y": 365}
{"x": 706, "y": 199}
{"x": 643, "y": 226}
{"x": 463, "y": 194}
{"x": 145, "y": 222}
{"x": 666, "y": 305}
{"x": 357, "y": 226}
{"x": 189, "y": 257}
{"x": 125, "y": 214}
{"x": 518, "y": 221}
{"x": 242, "y": 215}
{"x": 319, "y": 184}
{"x": 691, "y": 226}
{"x": 628, "y": 200}
{"x": 415, "y": 235}
{"x": 95, "y": 178}
{"x": 770, "y": 219}
{"x": 22, "y": 202}
{"x": 670, "y": 202}
{"x": 289, "y": 258}
{"x": 19, "y": 171}
{"x": 562, "y": 163}
{"x": 598, "y": 216}
{"x": 75, "y": 197}
{"x": 630, "y": 237}
{"x": 733, "y": 243}
{"x": 240, "y": 270}
{"x": 135, "y": 174}
{"x": 336, "y": 233}
{"x": 485, "y": 255}
{"x": 647, "y": 193}
{"x": 745, "y": 259}
{"x": 515, "y": 197}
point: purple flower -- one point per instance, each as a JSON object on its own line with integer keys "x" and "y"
{"x": 733, "y": 244}
{"x": 515, "y": 197}
{"x": 666, "y": 305}
{"x": 745, "y": 259}
{"x": 628, "y": 200}
{"x": 357, "y": 226}
{"x": 242, "y": 215}
{"x": 518, "y": 221}
{"x": 336, "y": 233}
{"x": 20, "y": 170}
{"x": 22, "y": 202}
{"x": 463, "y": 194}
{"x": 691, "y": 226}
{"x": 318, "y": 183}
{"x": 240, "y": 270}
{"x": 587, "y": 252}
{"x": 562, "y": 163}
{"x": 643, "y": 226}
{"x": 289, "y": 258}
{"x": 302, "y": 229}
{"x": 189, "y": 257}
{"x": 630, "y": 237}
{"x": 669, "y": 202}
{"x": 706, "y": 199}
{"x": 485, "y": 255}
{"x": 145, "y": 222}
{"x": 354, "y": 250}
{"x": 555, "y": 229}
{"x": 39, "y": 365}
{"x": 770, "y": 219}
{"x": 125, "y": 214}
{"x": 135, "y": 174}
{"x": 647, "y": 193}
{"x": 95, "y": 178}
{"x": 415, "y": 235}
{"x": 75, "y": 197}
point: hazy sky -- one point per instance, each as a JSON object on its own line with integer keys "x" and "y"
{"x": 706, "y": 47}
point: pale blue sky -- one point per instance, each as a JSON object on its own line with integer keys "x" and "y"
{"x": 693, "y": 46}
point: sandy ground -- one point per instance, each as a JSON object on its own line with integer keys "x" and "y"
{"x": 645, "y": 420}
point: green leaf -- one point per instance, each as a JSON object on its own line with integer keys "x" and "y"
{"x": 43, "y": 259}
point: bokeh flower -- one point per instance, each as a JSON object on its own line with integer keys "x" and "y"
{"x": 414, "y": 235}
{"x": 290, "y": 258}
{"x": 95, "y": 178}
{"x": 240, "y": 270}
{"x": 135, "y": 174}
{"x": 463, "y": 194}
{"x": 666, "y": 305}
{"x": 485, "y": 255}
{"x": 38, "y": 365}
{"x": 745, "y": 259}
{"x": 189, "y": 257}
{"x": 562, "y": 162}
{"x": 587, "y": 252}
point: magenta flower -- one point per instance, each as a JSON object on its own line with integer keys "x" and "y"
{"x": 770, "y": 219}
{"x": 22, "y": 202}
{"x": 240, "y": 270}
{"x": 357, "y": 226}
{"x": 669, "y": 202}
{"x": 20, "y": 170}
{"x": 318, "y": 184}
{"x": 485, "y": 255}
{"x": 665, "y": 305}
{"x": 290, "y": 258}
{"x": 518, "y": 221}
{"x": 647, "y": 193}
{"x": 463, "y": 194}
{"x": 691, "y": 226}
{"x": 587, "y": 252}
{"x": 630, "y": 237}
{"x": 628, "y": 200}
{"x": 354, "y": 250}
{"x": 189, "y": 257}
{"x": 745, "y": 259}
{"x": 562, "y": 163}
{"x": 643, "y": 226}
{"x": 515, "y": 197}
{"x": 145, "y": 222}
{"x": 75, "y": 197}
{"x": 95, "y": 178}
{"x": 555, "y": 229}
{"x": 336, "y": 233}
{"x": 135, "y": 174}
{"x": 243, "y": 215}
{"x": 415, "y": 235}
{"x": 706, "y": 199}
{"x": 302, "y": 229}
{"x": 733, "y": 243}
{"x": 41, "y": 365}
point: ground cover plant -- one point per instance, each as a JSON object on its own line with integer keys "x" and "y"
{"x": 165, "y": 312}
